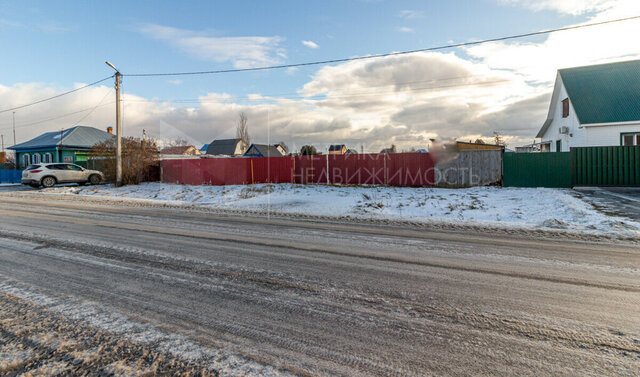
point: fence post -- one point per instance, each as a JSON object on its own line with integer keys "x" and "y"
{"x": 252, "y": 180}
{"x": 327, "y": 167}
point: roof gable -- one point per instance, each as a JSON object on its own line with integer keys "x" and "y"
{"x": 263, "y": 150}
{"x": 224, "y": 147}
{"x": 604, "y": 93}
{"x": 179, "y": 149}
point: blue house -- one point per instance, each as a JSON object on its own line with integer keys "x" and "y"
{"x": 70, "y": 145}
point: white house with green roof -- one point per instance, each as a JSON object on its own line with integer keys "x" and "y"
{"x": 70, "y": 145}
{"x": 592, "y": 106}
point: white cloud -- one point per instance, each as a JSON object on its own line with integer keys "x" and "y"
{"x": 175, "y": 82}
{"x": 243, "y": 52}
{"x": 404, "y": 99}
{"x": 538, "y": 61}
{"x": 410, "y": 14}
{"x": 573, "y": 7}
{"x": 404, "y": 29}
{"x": 310, "y": 44}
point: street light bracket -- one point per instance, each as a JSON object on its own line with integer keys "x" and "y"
{"x": 112, "y": 66}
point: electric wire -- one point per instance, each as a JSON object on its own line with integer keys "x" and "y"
{"x": 56, "y": 96}
{"x": 56, "y": 117}
{"x": 343, "y": 60}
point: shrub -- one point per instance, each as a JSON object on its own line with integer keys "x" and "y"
{"x": 139, "y": 157}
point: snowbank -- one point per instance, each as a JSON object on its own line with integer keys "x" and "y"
{"x": 497, "y": 206}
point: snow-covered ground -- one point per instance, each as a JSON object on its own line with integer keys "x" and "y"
{"x": 496, "y": 206}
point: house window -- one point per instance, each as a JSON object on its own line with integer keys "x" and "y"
{"x": 36, "y": 158}
{"x": 26, "y": 160}
{"x": 565, "y": 107}
{"x": 558, "y": 145}
{"x": 630, "y": 139}
{"x": 47, "y": 158}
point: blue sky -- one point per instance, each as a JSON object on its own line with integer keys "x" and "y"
{"x": 60, "y": 43}
{"x": 51, "y": 46}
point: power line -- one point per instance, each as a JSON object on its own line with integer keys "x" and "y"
{"x": 93, "y": 109}
{"x": 56, "y": 96}
{"x": 58, "y": 117}
{"x": 333, "y": 96}
{"x": 322, "y": 62}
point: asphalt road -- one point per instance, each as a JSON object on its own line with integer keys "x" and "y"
{"x": 339, "y": 299}
{"x": 618, "y": 201}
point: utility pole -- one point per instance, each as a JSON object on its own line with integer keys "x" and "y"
{"x": 2, "y": 137}
{"x": 14, "y": 128}
{"x": 118, "y": 129}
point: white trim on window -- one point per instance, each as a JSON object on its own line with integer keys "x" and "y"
{"x": 36, "y": 158}
{"x": 47, "y": 158}
{"x": 26, "y": 160}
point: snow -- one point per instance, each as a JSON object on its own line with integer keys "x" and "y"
{"x": 494, "y": 206}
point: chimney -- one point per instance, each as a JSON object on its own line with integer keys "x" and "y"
{"x": 110, "y": 130}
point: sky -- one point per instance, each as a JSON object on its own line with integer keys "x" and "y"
{"x": 406, "y": 100}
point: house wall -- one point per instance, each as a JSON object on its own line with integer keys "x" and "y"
{"x": 581, "y": 136}
{"x": 56, "y": 156}
{"x": 553, "y": 132}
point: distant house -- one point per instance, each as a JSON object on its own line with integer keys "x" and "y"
{"x": 596, "y": 105}
{"x": 70, "y": 145}
{"x": 225, "y": 147}
{"x": 203, "y": 149}
{"x": 186, "y": 150}
{"x": 338, "y": 149}
{"x": 351, "y": 151}
{"x": 264, "y": 150}
{"x": 388, "y": 151}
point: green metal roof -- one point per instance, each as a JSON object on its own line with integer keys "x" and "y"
{"x": 604, "y": 93}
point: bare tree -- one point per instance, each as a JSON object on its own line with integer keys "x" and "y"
{"x": 498, "y": 140}
{"x": 242, "y": 131}
{"x": 138, "y": 159}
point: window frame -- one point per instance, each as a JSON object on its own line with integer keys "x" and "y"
{"x": 26, "y": 160}
{"x": 635, "y": 138}
{"x": 565, "y": 107}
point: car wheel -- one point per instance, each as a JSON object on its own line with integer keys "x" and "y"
{"x": 95, "y": 179}
{"x": 48, "y": 181}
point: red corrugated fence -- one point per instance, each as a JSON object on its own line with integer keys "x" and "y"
{"x": 398, "y": 169}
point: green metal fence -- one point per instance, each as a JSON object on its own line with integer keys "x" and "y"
{"x": 537, "y": 169}
{"x": 606, "y": 166}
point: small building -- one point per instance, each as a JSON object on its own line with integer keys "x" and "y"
{"x": 338, "y": 149}
{"x": 591, "y": 106}
{"x": 351, "y": 151}
{"x": 184, "y": 150}
{"x": 203, "y": 149}
{"x": 226, "y": 147}
{"x": 466, "y": 146}
{"x": 70, "y": 145}
{"x": 264, "y": 150}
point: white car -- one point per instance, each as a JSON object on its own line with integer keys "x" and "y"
{"x": 48, "y": 175}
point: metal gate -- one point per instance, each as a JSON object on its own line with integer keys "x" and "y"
{"x": 606, "y": 166}
{"x": 537, "y": 169}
